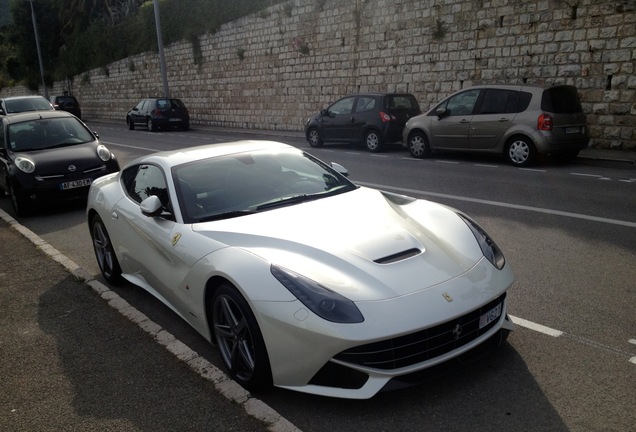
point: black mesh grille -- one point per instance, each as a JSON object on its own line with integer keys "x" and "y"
{"x": 422, "y": 345}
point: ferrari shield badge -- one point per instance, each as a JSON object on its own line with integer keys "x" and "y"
{"x": 175, "y": 238}
{"x": 446, "y": 295}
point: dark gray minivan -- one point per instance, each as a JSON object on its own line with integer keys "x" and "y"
{"x": 519, "y": 121}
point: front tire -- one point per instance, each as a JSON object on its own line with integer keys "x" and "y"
{"x": 314, "y": 137}
{"x": 419, "y": 146}
{"x": 104, "y": 252}
{"x": 239, "y": 339}
{"x": 373, "y": 141}
{"x": 520, "y": 151}
{"x": 19, "y": 203}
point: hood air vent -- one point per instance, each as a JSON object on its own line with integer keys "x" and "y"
{"x": 398, "y": 256}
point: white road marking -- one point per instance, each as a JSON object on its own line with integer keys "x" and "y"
{"x": 506, "y": 205}
{"x": 487, "y": 166}
{"x": 586, "y": 175}
{"x": 536, "y": 327}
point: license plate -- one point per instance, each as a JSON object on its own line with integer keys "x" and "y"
{"x": 75, "y": 184}
{"x": 572, "y": 130}
{"x": 174, "y": 119}
{"x": 490, "y": 316}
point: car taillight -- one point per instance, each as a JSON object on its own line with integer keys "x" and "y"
{"x": 385, "y": 117}
{"x": 544, "y": 122}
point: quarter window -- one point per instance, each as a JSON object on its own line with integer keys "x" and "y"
{"x": 365, "y": 103}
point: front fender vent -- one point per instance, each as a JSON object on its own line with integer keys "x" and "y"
{"x": 398, "y": 256}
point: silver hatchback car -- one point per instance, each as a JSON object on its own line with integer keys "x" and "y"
{"x": 519, "y": 121}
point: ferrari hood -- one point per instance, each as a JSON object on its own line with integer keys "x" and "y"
{"x": 365, "y": 244}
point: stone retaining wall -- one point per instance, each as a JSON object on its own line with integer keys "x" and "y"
{"x": 273, "y": 69}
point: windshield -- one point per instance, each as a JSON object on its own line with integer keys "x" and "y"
{"x": 244, "y": 183}
{"x": 40, "y": 134}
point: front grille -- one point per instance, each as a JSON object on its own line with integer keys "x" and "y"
{"x": 423, "y": 345}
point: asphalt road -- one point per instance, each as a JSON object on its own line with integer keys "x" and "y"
{"x": 569, "y": 231}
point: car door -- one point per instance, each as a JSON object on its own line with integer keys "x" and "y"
{"x": 450, "y": 130}
{"x": 138, "y": 113}
{"x": 147, "y": 244}
{"x": 493, "y": 116}
{"x": 337, "y": 121}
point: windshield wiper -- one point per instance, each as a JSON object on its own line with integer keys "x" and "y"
{"x": 226, "y": 215}
{"x": 295, "y": 199}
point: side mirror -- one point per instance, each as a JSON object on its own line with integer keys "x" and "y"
{"x": 441, "y": 112}
{"x": 96, "y": 134}
{"x": 151, "y": 206}
{"x": 342, "y": 170}
{"x": 324, "y": 112}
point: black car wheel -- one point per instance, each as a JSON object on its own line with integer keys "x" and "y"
{"x": 131, "y": 123}
{"x": 372, "y": 141}
{"x": 104, "y": 252}
{"x": 151, "y": 126}
{"x": 520, "y": 151}
{"x": 239, "y": 339}
{"x": 314, "y": 137}
{"x": 418, "y": 145}
{"x": 19, "y": 203}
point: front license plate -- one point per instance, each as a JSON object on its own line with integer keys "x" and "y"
{"x": 572, "y": 130}
{"x": 490, "y": 316}
{"x": 75, "y": 184}
{"x": 174, "y": 119}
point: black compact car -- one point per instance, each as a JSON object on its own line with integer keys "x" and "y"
{"x": 155, "y": 113}
{"x": 67, "y": 103}
{"x": 373, "y": 119}
{"x": 48, "y": 157}
{"x": 18, "y": 104}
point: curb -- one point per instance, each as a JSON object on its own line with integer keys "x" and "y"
{"x": 222, "y": 383}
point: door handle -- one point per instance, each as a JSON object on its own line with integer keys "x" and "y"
{"x": 503, "y": 119}
{"x": 462, "y": 121}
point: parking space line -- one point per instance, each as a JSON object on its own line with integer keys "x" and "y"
{"x": 536, "y": 327}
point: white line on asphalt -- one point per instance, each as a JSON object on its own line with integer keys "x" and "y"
{"x": 447, "y": 162}
{"x": 536, "y": 327}
{"x": 586, "y": 175}
{"x": 506, "y": 205}
{"x": 533, "y": 170}
{"x": 487, "y": 166}
{"x": 632, "y": 341}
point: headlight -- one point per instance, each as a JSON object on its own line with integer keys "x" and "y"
{"x": 487, "y": 245}
{"x": 103, "y": 153}
{"x": 24, "y": 164}
{"x": 320, "y": 300}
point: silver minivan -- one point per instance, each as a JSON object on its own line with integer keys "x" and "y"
{"x": 519, "y": 121}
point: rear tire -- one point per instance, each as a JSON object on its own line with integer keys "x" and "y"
{"x": 520, "y": 151}
{"x": 239, "y": 339}
{"x": 373, "y": 141}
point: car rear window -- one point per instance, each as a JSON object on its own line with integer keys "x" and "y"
{"x": 403, "y": 102}
{"x": 561, "y": 99}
